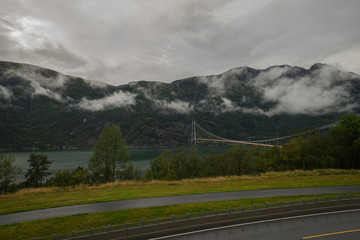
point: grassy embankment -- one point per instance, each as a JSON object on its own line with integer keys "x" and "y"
{"x": 31, "y": 199}
{"x": 52, "y": 197}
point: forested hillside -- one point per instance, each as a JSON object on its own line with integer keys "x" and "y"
{"x": 41, "y": 108}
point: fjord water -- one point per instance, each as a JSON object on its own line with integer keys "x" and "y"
{"x": 71, "y": 159}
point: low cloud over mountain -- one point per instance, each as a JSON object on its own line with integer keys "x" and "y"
{"x": 323, "y": 89}
{"x": 116, "y": 100}
{"x": 277, "y": 92}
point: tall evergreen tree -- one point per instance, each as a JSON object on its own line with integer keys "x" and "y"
{"x": 38, "y": 170}
{"x": 110, "y": 156}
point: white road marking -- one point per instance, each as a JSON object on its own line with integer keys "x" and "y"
{"x": 245, "y": 224}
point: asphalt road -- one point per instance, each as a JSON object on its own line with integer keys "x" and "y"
{"x": 343, "y": 225}
{"x": 171, "y": 200}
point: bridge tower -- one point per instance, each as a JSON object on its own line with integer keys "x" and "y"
{"x": 193, "y": 132}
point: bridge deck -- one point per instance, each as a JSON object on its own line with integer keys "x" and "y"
{"x": 233, "y": 141}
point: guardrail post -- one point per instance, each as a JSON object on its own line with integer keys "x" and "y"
{"x": 142, "y": 223}
{"x": 267, "y": 205}
{"x": 73, "y": 234}
{"x": 173, "y": 218}
{"x": 242, "y": 208}
{"x": 158, "y": 220}
{"x": 291, "y": 202}
{"x": 92, "y": 231}
{"x": 215, "y": 211}
{"x": 229, "y": 210}
{"x": 202, "y": 213}
{"x": 326, "y": 198}
{"x": 188, "y": 215}
{"x": 34, "y": 238}
{"x": 54, "y": 236}
{"x": 349, "y": 195}
{"x": 280, "y": 203}
{"x": 109, "y": 228}
{"x": 303, "y": 200}
{"x": 254, "y": 206}
{"x": 315, "y": 200}
{"x": 126, "y": 225}
{"x": 338, "y": 197}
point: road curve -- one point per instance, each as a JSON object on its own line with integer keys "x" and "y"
{"x": 330, "y": 225}
{"x": 170, "y": 200}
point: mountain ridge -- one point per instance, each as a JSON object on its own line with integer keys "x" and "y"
{"x": 46, "y": 109}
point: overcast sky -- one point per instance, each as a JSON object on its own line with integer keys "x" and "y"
{"x": 119, "y": 41}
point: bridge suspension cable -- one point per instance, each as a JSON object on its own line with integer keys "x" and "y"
{"x": 263, "y": 142}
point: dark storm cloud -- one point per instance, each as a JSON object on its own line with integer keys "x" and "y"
{"x": 121, "y": 41}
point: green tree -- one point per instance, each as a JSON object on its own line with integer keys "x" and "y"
{"x": 176, "y": 165}
{"x": 294, "y": 153}
{"x": 318, "y": 151}
{"x": 110, "y": 156}
{"x": 215, "y": 164}
{"x": 7, "y": 171}
{"x": 131, "y": 172}
{"x": 38, "y": 170}
{"x": 62, "y": 178}
{"x": 273, "y": 160}
{"x": 66, "y": 178}
{"x": 79, "y": 176}
{"x": 346, "y": 139}
{"x": 243, "y": 160}
{"x": 187, "y": 163}
{"x": 161, "y": 167}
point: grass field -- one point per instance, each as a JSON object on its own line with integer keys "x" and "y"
{"x": 29, "y": 199}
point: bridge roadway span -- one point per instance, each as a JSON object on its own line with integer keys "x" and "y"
{"x": 170, "y": 200}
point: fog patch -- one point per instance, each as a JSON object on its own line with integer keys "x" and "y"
{"x": 96, "y": 84}
{"x": 225, "y": 105}
{"x": 116, "y": 100}
{"x": 47, "y": 86}
{"x": 219, "y": 85}
{"x": 5, "y": 93}
{"x": 313, "y": 94}
{"x": 39, "y": 90}
{"x": 177, "y": 106}
{"x": 305, "y": 97}
{"x": 215, "y": 84}
{"x": 271, "y": 74}
{"x": 254, "y": 110}
{"x": 32, "y": 73}
{"x": 150, "y": 93}
{"x": 228, "y": 106}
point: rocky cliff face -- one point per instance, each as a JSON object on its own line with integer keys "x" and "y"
{"x": 45, "y": 109}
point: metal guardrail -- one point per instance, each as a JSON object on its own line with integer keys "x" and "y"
{"x": 201, "y": 214}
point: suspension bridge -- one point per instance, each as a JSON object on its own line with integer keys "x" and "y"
{"x": 278, "y": 141}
